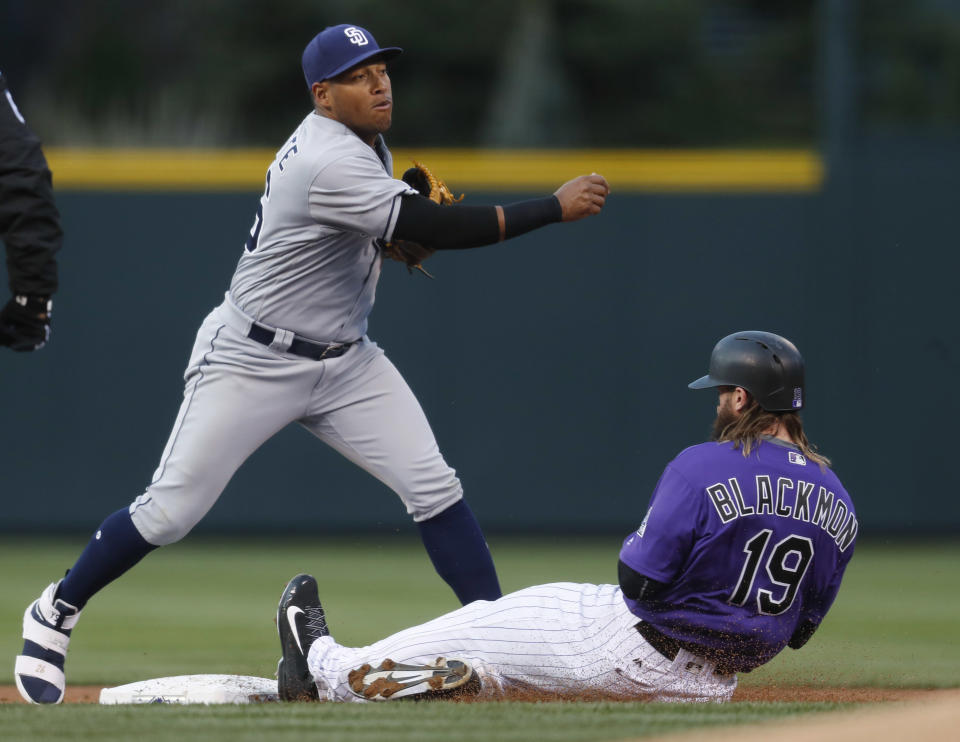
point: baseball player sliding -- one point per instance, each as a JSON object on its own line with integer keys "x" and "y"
{"x": 289, "y": 344}
{"x": 740, "y": 554}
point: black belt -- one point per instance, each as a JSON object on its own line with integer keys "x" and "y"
{"x": 299, "y": 346}
{"x": 670, "y": 648}
{"x": 666, "y": 646}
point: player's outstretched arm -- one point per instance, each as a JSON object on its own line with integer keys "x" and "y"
{"x": 461, "y": 226}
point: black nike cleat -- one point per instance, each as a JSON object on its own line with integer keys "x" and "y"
{"x": 300, "y": 622}
{"x": 444, "y": 679}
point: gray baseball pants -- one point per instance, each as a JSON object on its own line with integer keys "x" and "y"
{"x": 239, "y": 393}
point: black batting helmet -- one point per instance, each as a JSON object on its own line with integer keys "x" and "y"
{"x": 768, "y": 366}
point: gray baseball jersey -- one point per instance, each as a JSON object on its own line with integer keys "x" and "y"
{"x": 311, "y": 264}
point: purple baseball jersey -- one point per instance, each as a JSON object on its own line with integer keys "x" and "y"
{"x": 749, "y": 548}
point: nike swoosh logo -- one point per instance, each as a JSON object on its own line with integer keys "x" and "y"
{"x": 391, "y": 678}
{"x": 292, "y": 612}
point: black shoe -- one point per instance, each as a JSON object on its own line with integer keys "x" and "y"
{"x": 300, "y": 622}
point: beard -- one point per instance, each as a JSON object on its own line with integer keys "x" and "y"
{"x": 725, "y": 417}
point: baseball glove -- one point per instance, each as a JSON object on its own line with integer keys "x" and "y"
{"x": 412, "y": 254}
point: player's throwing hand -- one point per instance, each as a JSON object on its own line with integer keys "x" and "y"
{"x": 582, "y": 196}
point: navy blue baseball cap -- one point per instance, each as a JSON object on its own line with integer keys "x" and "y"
{"x": 338, "y": 48}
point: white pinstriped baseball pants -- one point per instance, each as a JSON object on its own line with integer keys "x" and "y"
{"x": 561, "y": 638}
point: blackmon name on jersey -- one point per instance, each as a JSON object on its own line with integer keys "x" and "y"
{"x": 787, "y": 498}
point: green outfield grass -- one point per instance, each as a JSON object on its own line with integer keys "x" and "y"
{"x": 400, "y": 722}
{"x": 206, "y": 606}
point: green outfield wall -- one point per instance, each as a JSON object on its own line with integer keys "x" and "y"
{"x": 553, "y": 368}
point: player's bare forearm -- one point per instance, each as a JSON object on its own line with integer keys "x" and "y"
{"x": 583, "y": 196}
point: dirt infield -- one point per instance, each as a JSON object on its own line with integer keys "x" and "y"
{"x": 75, "y": 694}
{"x": 931, "y": 715}
{"x": 811, "y": 694}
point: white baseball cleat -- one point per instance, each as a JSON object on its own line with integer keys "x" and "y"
{"x": 446, "y": 678}
{"x": 47, "y": 624}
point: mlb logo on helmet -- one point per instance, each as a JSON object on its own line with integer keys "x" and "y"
{"x": 797, "y": 398}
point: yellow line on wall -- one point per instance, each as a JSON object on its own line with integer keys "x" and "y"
{"x": 743, "y": 170}
{"x": 626, "y": 170}
{"x": 159, "y": 169}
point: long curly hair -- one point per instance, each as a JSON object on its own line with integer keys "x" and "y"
{"x": 747, "y": 429}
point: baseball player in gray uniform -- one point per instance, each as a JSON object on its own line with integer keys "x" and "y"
{"x": 289, "y": 344}
{"x": 740, "y": 555}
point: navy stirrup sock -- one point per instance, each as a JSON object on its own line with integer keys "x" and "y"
{"x": 115, "y": 547}
{"x": 460, "y": 554}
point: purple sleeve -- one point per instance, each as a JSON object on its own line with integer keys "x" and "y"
{"x": 660, "y": 547}
{"x": 819, "y": 604}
